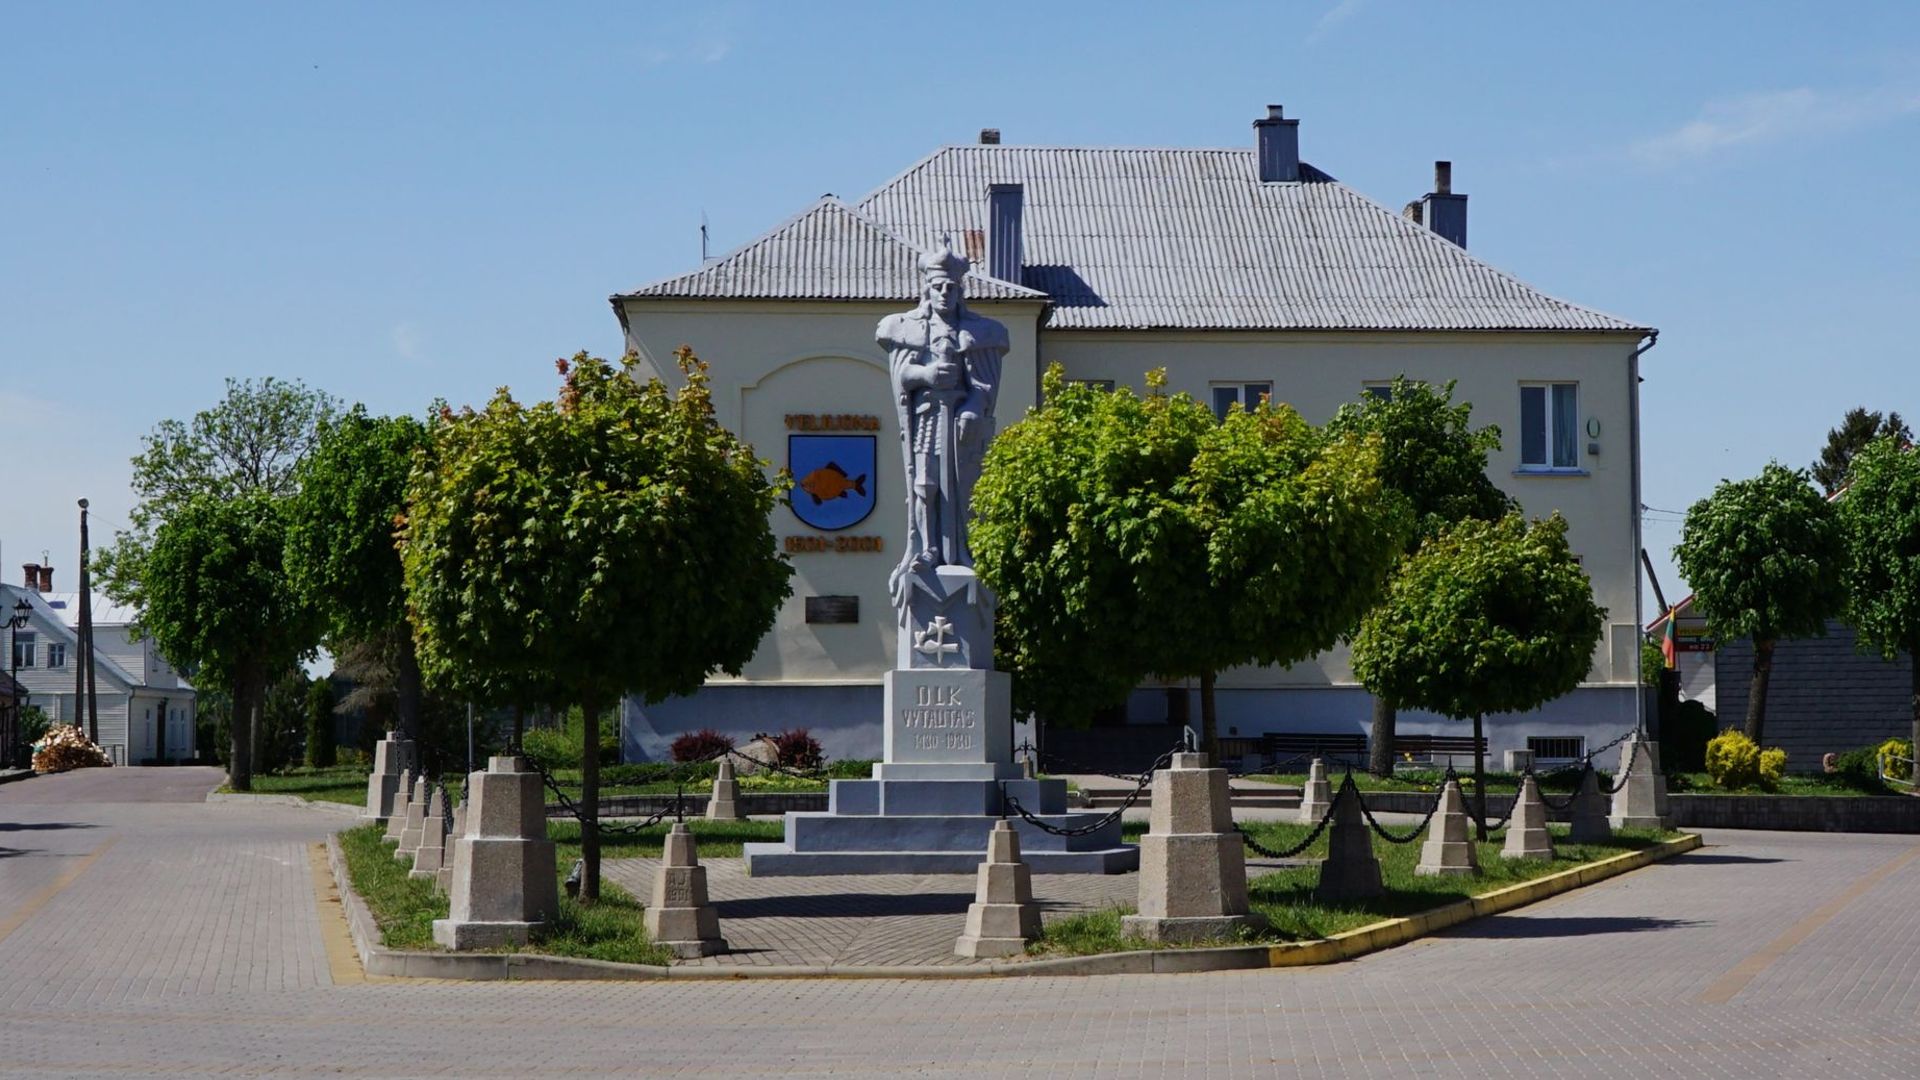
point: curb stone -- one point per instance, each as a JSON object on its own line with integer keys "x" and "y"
{"x": 285, "y": 800}
{"x": 377, "y": 959}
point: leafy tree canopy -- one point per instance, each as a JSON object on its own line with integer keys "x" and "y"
{"x": 1858, "y": 428}
{"x": 1880, "y": 519}
{"x": 614, "y": 541}
{"x": 340, "y": 538}
{"x": 1486, "y": 617}
{"x": 1763, "y": 557}
{"x": 1430, "y": 452}
{"x": 1128, "y": 536}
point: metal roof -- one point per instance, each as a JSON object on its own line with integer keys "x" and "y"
{"x": 1192, "y": 239}
{"x": 827, "y": 252}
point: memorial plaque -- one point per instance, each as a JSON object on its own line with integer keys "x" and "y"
{"x": 833, "y": 609}
{"x": 956, "y": 716}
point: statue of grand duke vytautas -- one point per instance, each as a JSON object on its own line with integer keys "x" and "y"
{"x": 945, "y": 366}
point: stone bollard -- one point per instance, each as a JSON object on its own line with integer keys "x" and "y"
{"x": 430, "y": 856}
{"x": 415, "y": 825}
{"x": 724, "y": 804}
{"x": 1317, "y": 796}
{"x": 1350, "y": 872}
{"x": 680, "y": 917}
{"x": 1193, "y": 863}
{"x": 1641, "y": 801}
{"x": 1589, "y": 813}
{"x": 397, "y": 819}
{"x": 1527, "y": 836}
{"x": 392, "y": 756}
{"x": 1003, "y": 917}
{"x": 504, "y": 882}
{"x": 1449, "y": 849}
{"x": 450, "y": 858}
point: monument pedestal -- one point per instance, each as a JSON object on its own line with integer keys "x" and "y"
{"x": 386, "y": 787}
{"x": 504, "y": 882}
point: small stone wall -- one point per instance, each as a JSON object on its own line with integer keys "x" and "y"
{"x": 1783, "y": 813}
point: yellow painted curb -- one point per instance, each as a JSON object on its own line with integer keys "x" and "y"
{"x": 1391, "y": 932}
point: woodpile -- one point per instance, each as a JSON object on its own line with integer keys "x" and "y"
{"x": 66, "y": 747}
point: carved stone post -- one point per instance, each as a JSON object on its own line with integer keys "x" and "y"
{"x": 1003, "y": 917}
{"x": 724, "y": 803}
{"x": 680, "y": 917}
{"x": 504, "y": 883}
{"x": 397, "y": 816}
{"x": 1449, "y": 849}
{"x": 1193, "y": 862}
{"x": 1527, "y": 836}
{"x": 392, "y": 756}
{"x": 1317, "y": 796}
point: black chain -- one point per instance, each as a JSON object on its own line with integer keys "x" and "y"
{"x": 1052, "y": 762}
{"x": 1620, "y": 778}
{"x": 626, "y": 828}
{"x": 1140, "y": 787}
{"x": 1288, "y": 853}
{"x": 1566, "y": 804}
{"x": 1380, "y": 829}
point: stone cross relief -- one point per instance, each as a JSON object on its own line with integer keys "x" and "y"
{"x": 933, "y": 641}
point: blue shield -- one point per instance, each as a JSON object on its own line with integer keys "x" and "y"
{"x": 833, "y": 479}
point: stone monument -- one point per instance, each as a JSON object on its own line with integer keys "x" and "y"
{"x": 504, "y": 881}
{"x": 1003, "y": 917}
{"x": 392, "y": 756}
{"x": 1527, "y": 836}
{"x": 948, "y": 768}
{"x": 1640, "y": 802}
{"x": 724, "y": 803}
{"x": 1317, "y": 796}
{"x": 1449, "y": 850}
{"x": 680, "y": 917}
{"x": 1193, "y": 862}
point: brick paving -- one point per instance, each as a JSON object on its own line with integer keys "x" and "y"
{"x": 189, "y": 945}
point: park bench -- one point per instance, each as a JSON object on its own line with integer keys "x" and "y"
{"x": 1435, "y": 748}
{"x": 1334, "y": 746}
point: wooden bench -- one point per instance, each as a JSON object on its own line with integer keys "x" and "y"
{"x": 1430, "y": 747}
{"x": 1334, "y": 746}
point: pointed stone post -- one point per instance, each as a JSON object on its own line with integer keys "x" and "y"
{"x": 415, "y": 825}
{"x": 431, "y": 854}
{"x": 680, "y": 917}
{"x": 1193, "y": 863}
{"x": 1589, "y": 812}
{"x": 1527, "y": 836}
{"x": 450, "y": 858}
{"x": 1449, "y": 850}
{"x": 504, "y": 882}
{"x": 1003, "y": 917}
{"x": 1350, "y": 872}
{"x": 1317, "y": 796}
{"x": 392, "y": 756}
{"x": 1640, "y": 802}
{"x": 397, "y": 818}
{"x": 724, "y": 804}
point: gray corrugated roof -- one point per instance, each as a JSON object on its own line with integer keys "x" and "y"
{"x": 1164, "y": 238}
{"x": 827, "y": 252}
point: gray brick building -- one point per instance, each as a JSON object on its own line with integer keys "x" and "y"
{"x": 1825, "y": 696}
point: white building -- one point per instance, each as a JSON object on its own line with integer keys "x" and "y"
{"x": 146, "y": 709}
{"x": 1242, "y": 272}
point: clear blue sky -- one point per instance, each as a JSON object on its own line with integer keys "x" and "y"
{"x": 399, "y": 202}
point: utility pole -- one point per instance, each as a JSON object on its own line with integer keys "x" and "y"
{"x": 86, "y": 638}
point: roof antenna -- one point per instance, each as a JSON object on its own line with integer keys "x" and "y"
{"x": 704, "y": 257}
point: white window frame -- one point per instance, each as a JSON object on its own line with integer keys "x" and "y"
{"x": 1546, "y": 387}
{"x": 32, "y": 640}
{"x": 56, "y": 652}
{"x": 1242, "y": 389}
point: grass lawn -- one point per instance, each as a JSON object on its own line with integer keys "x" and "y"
{"x": 1699, "y": 783}
{"x": 337, "y": 783}
{"x": 405, "y": 909}
{"x": 1285, "y": 897}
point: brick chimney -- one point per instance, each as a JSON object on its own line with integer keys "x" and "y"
{"x": 1445, "y": 212}
{"x": 1277, "y": 146}
{"x": 989, "y": 136}
{"x": 1005, "y": 203}
{"x": 32, "y": 579}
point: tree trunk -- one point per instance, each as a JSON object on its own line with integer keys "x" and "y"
{"x": 1380, "y": 743}
{"x": 1757, "y": 690}
{"x": 590, "y": 799}
{"x": 1480, "y": 780}
{"x": 519, "y": 726}
{"x": 239, "y": 735}
{"x": 406, "y": 686}
{"x": 1209, "y": 720}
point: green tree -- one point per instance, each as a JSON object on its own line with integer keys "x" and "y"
{"x": 248, "y": 444}
{"x": 1434, "y": 457}
{"x": 1858, "y": 428}
{"x": 1131, "y": 536}
{"x": 340, "y": 544}
{"x": 1764, "y": 558}
{"x": 1487, "y": 617}
{"x": 615, "y": 541}
{"x": 1880, "y": 520}
{"x": 215, "y": 595}
{"x": 320, "y": 752}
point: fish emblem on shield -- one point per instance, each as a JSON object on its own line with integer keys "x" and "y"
{"x": 833, "y": 479}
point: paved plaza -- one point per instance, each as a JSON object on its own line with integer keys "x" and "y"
{"x": 145, "y": 932}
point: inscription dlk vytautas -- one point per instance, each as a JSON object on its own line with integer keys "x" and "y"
{"x": 939, "y": 719}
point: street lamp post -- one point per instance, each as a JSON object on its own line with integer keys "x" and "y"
{"x": 10, "y": 748}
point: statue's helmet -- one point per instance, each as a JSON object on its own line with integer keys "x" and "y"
{"x": 944, "y": 262}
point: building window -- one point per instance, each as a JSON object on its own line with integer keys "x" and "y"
{"x": 1246, "y": 394}
{"x": 56, "y": 654}
{"x": 1549, "y": 426}
{"x": 1105, "y": 385}
{"x": 1382, "y": 391}
{"x": 1557, "y": 747}
{"x": 23, "y": 643}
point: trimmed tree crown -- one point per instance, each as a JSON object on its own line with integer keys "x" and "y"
{"x": 1763, "y": 556}
{"x": 1880, "y": 517}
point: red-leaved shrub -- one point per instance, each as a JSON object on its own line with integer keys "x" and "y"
{"x": 700, "y": 745}
{"x": 797, "y": 749}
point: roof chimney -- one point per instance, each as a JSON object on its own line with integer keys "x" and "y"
{"x": 1445, "y": 212}
{"x": 1005, "y": 203}
{"x": 989, "y": 136}
{"x": 1277, "y": 146}
{"x": 32, "y": 577}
